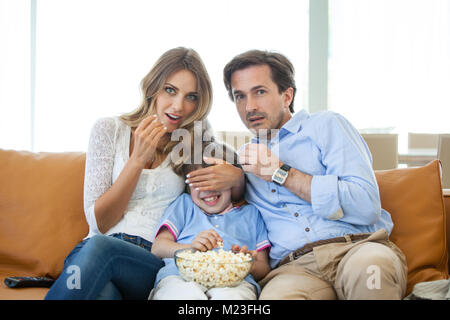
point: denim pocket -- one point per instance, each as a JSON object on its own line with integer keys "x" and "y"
{"x": 136, "y": 240}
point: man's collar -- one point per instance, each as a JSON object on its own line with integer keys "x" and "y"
{"x": 293, "y": 125}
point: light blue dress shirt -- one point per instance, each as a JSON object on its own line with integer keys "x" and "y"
{"x": 344, "y": 192}
{"x": 185, "y": 220}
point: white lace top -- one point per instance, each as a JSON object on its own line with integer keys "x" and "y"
{"x": 108, "y": 151}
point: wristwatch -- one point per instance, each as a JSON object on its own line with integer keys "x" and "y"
{"x": 280, "y": 175}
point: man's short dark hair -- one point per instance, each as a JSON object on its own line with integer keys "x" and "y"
{"x": 282, "y": 70}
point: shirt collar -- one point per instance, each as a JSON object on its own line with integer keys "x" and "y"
{"x": 293, "y": 125}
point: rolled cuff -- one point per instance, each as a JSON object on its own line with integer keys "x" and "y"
{"x": 324, "y": 197}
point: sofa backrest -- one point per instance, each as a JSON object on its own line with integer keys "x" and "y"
{"x": 41, "y": 210}
{"x": 42, "y": 216}
{"x": 413, "y": 197}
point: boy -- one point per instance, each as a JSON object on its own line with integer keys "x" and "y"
{"x": 200, "y": 220}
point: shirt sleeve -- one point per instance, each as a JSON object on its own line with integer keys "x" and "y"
{"x": 348, "y": 191}
{"x": 262, "y": 239}
{"x": 99, "y": 166}
{"x": 174, "y": 217}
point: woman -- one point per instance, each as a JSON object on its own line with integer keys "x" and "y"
{"x": 130, "y": 181}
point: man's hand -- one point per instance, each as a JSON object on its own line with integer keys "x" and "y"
{"x": 220, "y": 177}
{"x": 259, "y": 160}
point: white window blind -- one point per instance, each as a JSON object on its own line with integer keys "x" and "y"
{"x": 91, "y": 55}
{"x": 15, "y": 111}
{"x": 389, "y": 65}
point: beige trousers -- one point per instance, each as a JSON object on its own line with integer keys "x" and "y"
{"x": 373, "y": 268}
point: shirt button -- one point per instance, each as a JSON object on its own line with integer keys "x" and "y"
{"x": 273, "y": 190}
{"x": 307, "y": 229}
{"x": 296, "y": 214}
{"x": 217, "y": 226}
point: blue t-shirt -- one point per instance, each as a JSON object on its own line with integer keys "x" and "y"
{"x": 185, "y": 220}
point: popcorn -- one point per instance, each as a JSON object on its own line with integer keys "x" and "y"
{"x": 217, "y": 268}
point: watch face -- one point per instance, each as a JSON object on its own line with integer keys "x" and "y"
{"x": 279, "y": 176}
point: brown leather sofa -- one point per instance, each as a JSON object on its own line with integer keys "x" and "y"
{"x": 42, "y": 218}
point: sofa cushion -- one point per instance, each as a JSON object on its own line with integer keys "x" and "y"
{"x": 413, "y": 197}
{"x": 41, "y": 210}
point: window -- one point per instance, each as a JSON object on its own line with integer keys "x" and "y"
{"x": 389, "y": 64}
{"x": 15, "y": 118}
{"x": 92, "y": 55}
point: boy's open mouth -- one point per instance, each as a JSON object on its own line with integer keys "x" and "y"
{"x": 211, "y": 200}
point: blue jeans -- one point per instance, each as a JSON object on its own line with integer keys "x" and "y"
{"x": 119, "y": 266}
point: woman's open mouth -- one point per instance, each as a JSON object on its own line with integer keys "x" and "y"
{"x": 173, "y": 118}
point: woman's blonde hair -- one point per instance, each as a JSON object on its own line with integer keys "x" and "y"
{"x": 172, "y": 61}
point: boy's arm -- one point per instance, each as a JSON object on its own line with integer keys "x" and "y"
{"x": 260, "y": 266}
{"x": 164, "y": 245}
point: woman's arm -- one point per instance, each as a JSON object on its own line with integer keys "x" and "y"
{"x": 106, "y": 203}
{"x": 110, "y": 206}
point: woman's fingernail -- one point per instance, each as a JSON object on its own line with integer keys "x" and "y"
{"x": 188, "y": 175}
{"x": 190, "y": 185}
{"x": 186, "y": 181}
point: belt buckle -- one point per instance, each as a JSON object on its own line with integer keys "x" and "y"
{"x": 295, "y": 255}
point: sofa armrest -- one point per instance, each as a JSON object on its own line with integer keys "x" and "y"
{"x": 446, "y": 193}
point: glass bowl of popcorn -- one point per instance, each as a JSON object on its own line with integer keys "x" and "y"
{"x": 214, "y": 268}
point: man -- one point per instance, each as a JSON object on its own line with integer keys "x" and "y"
{"x": 312, "y": 180}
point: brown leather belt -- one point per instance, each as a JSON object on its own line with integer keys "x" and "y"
{"x": 309, "y": 246}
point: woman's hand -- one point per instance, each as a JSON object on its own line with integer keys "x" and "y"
{"x": 146, "y": 138}
{"x": 219, "y": 177}
{"x": 206, "y": 240}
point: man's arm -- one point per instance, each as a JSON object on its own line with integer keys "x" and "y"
{"x": 299, "y": 183}
{"x": 347, "y": 191}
